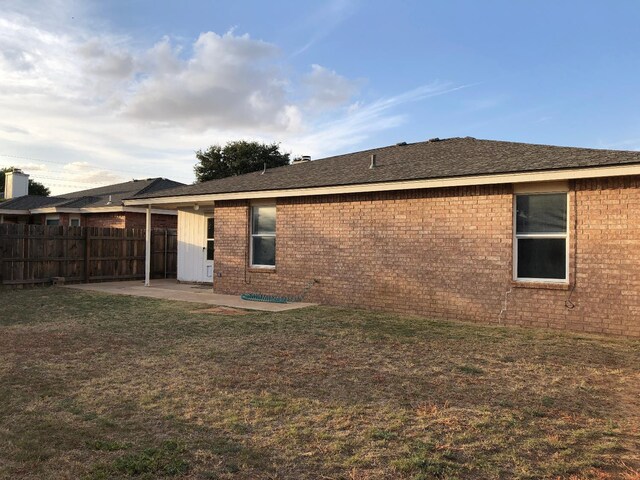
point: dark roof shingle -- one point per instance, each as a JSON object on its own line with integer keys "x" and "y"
{"x": 28, "y": 202}
{"x": 455, "y": 157}
{"x": 94, "y": 197}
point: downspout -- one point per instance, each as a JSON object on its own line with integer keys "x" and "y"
{"x": 147, "y": 249}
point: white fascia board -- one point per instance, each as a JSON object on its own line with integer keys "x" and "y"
{"x": 36, "y": 211}
{"x": 14, "y": 212}
{"x": 494, "y": 179}
{"x": 100, "y": 210}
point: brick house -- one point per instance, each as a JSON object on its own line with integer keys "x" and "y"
{"x": 97, "y": 207}
{"x": 466, "y": 229}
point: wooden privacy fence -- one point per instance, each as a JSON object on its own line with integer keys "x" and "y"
{"x": 34, "y": 254}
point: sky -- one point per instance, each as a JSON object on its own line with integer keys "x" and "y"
{"x": 99, "y": 92}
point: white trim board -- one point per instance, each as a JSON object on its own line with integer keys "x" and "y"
{"x": 155, "y": 211}
{"x": 14, "y": 212}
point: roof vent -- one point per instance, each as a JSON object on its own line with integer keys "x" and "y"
{"x": 302, "y": 159}
{"x": 435, "y": 139}
{"x": 373, "y": 161}
{"x": 109, "y": 202}
{"x": 401, "y": 144}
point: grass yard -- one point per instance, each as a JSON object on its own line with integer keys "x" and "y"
{"x": 96, "y": 386}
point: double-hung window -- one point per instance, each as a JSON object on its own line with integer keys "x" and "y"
{"x": 540, "y": 243}
{"x": 210, "y": 238}
{"x": 263, "y": 236}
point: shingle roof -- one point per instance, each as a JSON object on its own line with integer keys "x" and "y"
{"x": 28, "y": 202}
{"x": 455, "y": 157}
{"x": 94, "y": 197}
{"x": 99, "y": 197}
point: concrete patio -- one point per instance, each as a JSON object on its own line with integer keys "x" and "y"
{"x": 170, "y": 289}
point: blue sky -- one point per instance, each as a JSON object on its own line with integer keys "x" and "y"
{"x": 98, "y": 92}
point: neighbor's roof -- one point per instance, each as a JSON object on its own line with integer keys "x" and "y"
{"x": 94, "y": 197}
{"x": 454, "y": 157}
{"x": 28, "y": 202}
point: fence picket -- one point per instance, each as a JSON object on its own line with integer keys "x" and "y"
{"x": 34, "y": 254}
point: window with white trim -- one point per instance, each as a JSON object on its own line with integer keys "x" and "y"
{"x": 263, "y": 236}
{"x": 74, "y": 221}
{"x": 52, "y": 220}
{"x": 210, "y": 238}
{"x": 540, "y": 243}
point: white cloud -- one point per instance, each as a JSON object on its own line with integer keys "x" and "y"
{"x": 101, "y": 62}
{"x": 324, "y": 19}
{"x": 327, "y": 89}
{"x": 364, "y": 119}
{"x": 87, "y": 174}
{"x": 100, "y": 108}
{"x": 230, "y": 81}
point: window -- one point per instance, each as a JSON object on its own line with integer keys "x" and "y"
{"x": 52, "y": 220}
{"x": 263, "y": 236}
{"x": 210, "y": 241}
{"x": 74, "y": 221}
{"x": 541, "y": 237}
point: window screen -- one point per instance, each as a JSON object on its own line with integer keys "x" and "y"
{"x": 541, "y": 236}
{"x": 263, "y": 235}
{"x": 210, "y": 239}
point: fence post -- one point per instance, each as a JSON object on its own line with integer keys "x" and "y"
{"x": 25, "y": 250}
{"x": 166, "y": 246}
{"x": 87, "y": 255}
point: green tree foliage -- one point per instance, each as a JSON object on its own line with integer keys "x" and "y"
{"x": 236, "y": 158}
{"x": 35, "y": 188}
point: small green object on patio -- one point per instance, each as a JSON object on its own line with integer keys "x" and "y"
{"x": 256, "y": 297}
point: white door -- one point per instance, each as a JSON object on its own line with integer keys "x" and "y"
{"x": 207, "y": 250}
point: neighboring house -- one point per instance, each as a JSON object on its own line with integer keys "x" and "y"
{"x": 97, "y": 207}
{"x": 463, "y": 229}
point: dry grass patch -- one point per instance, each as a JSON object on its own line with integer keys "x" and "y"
{"x": 96, "y": 386}
{"x": 221, "y": 310}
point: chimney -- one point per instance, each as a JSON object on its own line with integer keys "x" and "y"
{"x": 16, "y": 184}
{"x": 373, "y": 161}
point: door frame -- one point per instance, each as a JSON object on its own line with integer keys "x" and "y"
{"x": 207, "y": 265}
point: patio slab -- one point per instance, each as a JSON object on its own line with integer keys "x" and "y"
{"x": 171, "y": 290}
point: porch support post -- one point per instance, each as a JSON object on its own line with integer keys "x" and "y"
{"x": 147, "y": 249}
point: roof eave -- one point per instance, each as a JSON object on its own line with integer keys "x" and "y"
{"x": 8, "y": 211}
{"x": 492, "y": 179}
{"x": 109, "y": 209}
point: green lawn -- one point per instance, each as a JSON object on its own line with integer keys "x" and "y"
{"x": 96, "y": 386}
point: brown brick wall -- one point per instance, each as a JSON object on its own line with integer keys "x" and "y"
{"x": 139, "y": 220}
{"x": 104, "y": 220}
{"x": 444, "y": 253}
{"x": 109, "y": 220}
{"x": 606, "y": 252}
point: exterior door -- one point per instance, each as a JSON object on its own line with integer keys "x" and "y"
{"x": 207, "y": 271}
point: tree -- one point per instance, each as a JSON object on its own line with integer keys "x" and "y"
{"x": 236, "y": 158}
{"x": 35, "y": 188}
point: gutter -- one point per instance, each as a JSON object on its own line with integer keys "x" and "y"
{"x": 13, "y": 212}
{"x": 36, "y": 211}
